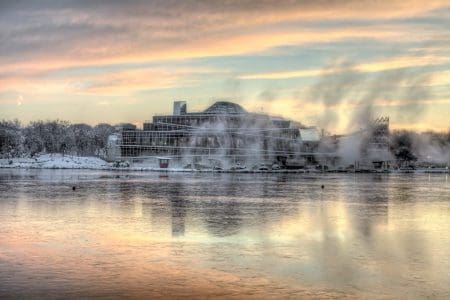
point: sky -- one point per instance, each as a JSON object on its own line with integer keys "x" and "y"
{"x": 332, "y": 64}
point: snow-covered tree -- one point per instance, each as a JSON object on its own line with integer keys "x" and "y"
{"x": 45, "y": 137}
{"x": 11, "y": 139}
{"x": 101, "y": 133}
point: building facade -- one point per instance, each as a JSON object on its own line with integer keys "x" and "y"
{"x": 223, "y": 134}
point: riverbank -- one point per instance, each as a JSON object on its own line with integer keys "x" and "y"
{"x": 55, "y": 161}
{"x": 59, "y": 161}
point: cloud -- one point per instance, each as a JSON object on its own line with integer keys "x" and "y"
{"x": 126, "y": 82}
{"x": 385, "y": 64}
{"x": 115, "y": 83}
{"x": 65, "y": 33}
{"x": 111, "y": 50}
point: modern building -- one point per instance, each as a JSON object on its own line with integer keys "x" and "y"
{"x": 226, "y": 136}
{"x": 222, "y": 135}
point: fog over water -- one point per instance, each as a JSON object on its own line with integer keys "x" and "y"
{"x": 138, "y": 234}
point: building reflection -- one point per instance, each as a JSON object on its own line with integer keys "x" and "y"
{"x": 178, "y": 203}
{"x": 223, "y": 218}
{"x": 370, "y": 231}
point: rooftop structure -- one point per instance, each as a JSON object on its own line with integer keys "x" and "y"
{"x": 223, "y": 107}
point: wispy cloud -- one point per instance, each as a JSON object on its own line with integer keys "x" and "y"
{"x": 386, "y": 64}
{"x": 67, "y": 34}
{"x": 117, "y": 83}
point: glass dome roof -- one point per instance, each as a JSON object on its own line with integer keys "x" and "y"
{"x": 223, "y": 107}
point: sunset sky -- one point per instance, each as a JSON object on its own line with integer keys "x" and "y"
{"x": 327, "y": 63}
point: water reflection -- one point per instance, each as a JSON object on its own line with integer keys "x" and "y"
{"x": 223, "y": 235}
{"x": 178, "y": 209}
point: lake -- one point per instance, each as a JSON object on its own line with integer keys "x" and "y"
{"x": 200, "y": 235}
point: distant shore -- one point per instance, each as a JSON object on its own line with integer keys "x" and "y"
{"x": 55, "y": 161}
{"x": 58, "y": 161}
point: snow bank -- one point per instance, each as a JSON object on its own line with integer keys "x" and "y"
{"x": 58, "y": 161}
{"x": 55, "y": 161}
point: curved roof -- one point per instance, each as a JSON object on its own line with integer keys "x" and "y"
{"x": 223, "y": 107}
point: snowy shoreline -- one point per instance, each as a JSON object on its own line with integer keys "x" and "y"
{"x": 55, "y": 161}
{"x": 58, "y": 161}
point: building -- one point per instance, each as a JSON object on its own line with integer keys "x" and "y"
{"x": 224, "y": 135}
{"x": 366, "y": 150}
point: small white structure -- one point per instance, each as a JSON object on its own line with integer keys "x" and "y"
{"x": 309, "y": 134}
{"x": 112, "y": 147}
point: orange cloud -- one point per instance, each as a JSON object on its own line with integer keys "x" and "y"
{"x": 392, "y": 63}
{"x": 117, "y": 83}
{"x": 218, "y": 45}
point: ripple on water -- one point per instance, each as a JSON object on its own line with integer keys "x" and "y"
{"x": 223, "y": 235}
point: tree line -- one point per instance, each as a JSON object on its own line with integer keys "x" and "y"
{"x": 55, "y": 136}
{"x": 63, "y": 137}
{"x": 410, "y": 146}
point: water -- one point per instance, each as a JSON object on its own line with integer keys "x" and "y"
{"x": 138, "y": 234}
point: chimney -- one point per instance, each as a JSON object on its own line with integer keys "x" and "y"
{"x": 179, "y": 108}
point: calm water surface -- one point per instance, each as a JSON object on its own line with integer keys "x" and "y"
{"x": 223, "y": 235}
